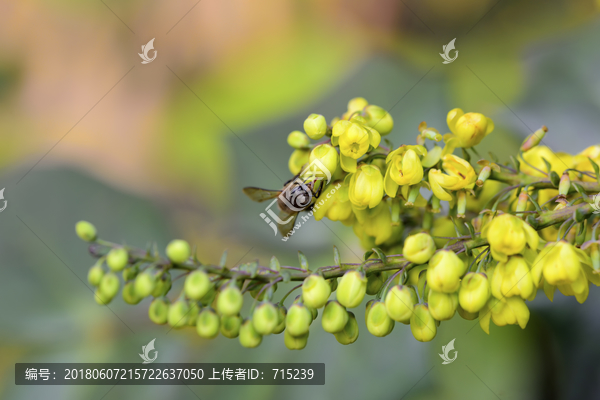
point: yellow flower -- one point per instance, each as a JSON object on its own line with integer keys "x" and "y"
{"x": 315, "y": 126}
{"x": 535, "y": 158}
{"x": 513, "y": 278}
{"x": 512, "y": 312}
{"x": 508, "y": 235}
{"x": 403, "y": 168}
{"x": 376, "y": 223}
{"x": 582, "y": 161}
{"x": 459, "y": 175}
{"x": 354, "y": 138}
{"x": 336, "y": 204}
{"x": 366, "y": 187}
{"x": 467, "y": 129}
{"x": 399, "y": 303}
{"x": 378, "y": 321}
{"x": 560, "y": 263}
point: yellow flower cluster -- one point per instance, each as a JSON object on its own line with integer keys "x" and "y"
{"x": 504, "y": 232}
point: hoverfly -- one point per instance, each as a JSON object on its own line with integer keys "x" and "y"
{"x": 296, "y": 196}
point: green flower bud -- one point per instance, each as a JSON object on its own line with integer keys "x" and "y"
{"x": 298, "y": 320}
{"x": 357, "y": 104}
{"x": 374, "y": 283}
{"x": 86, "y": 231}
{"x": 117, "y": 259}
{"x": 230, "y": 301}
{"x": 95, "y": 275}
{"x": 109, "y": 286}
{"x": 192, "y": 315}
{"x": 295, "y": 342}
{"x": 399, "y": 303}
{"x": 328, "y": 158}
{"x": 282, "y": 313}
{"x": 315, "y": 126}
{"x": 314, "y": 312}
{"x": 265, "y": 318}
{"x": 230, "y": 326}
{"x": 100, "y": 298}
{"x": 197, "y": 284}
{"x": 465, "y": 314}
{"x": 163, "y": 285}
{"x": 177, "y": 316}
{"x": 379, "y": 119}
{"x": 419, "y": 248}
{"x": 178, "y": 251}
{"x": 444, "y": 271}
{"x": 349, "y": 334}
{"x": 159, "y": 311}
{"x": 422, "y": 324}
{"x": 378, "y": 321}
{"x": 351, "y": 289}
{"x": 298, "y": 140}
{"x": 129, "y": 294}
{"x": 335, "y": 317}
{"x": 474, "y": 292}
{"x": 297, "y": 160}
{"x": 145, "y": 283}
{"x": 442, "y": 306}
{"x": 207, "y": 324}
{"x": 130, "y": 273}
{"x": 248, "y": 335}
{"x": 315, "y": 291}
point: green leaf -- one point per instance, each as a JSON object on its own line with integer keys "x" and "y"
{"x": 493, "y": 157}
{"x": 596, "y": 169}
{"x": 303, "y": 261}
{"x": 471, "y": 229}
{"x": 555, "y": 179}
{"x": 515, "y": 163}
{"x": 223, "y": 261}
{"x": 336, "y": 257}
{"x": 580, "y": 190}
{"x": 368, "y": 254}
{"x": 274, "y": 264}
{"x": 252, "y": 268}
{"x": 548, "y": 165}
{"x": 285, "y": 275}
{"x": 380, "y": 254}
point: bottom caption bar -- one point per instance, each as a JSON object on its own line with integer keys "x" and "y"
{"x": 169, "y": 374}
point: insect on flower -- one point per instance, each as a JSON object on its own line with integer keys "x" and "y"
{"x": 297, "y": 195}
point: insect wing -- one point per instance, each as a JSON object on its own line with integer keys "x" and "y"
{"x": 259, "y": 195}
{"x": 284, "y": 229}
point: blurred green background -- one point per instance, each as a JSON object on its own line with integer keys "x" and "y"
{"x": 162, "y": 150}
